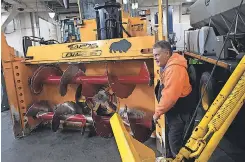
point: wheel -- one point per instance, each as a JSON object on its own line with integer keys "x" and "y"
{"x": 192, "y": 75}
{"x": 210, "y": 94}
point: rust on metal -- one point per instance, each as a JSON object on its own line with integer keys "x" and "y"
{"x": 16, "y": 122}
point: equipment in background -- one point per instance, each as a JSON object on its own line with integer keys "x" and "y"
{"x": 171, "y": 33}
{"x": 215, "y": 53}
{"x": 205, "y": 42}
{"x": 172, "y": 40}
{"x": 233, "y": 47}
{"x": 144, "y": 13}
{"x": 204, "y": 10}
{"x": 109, "y": 20}
{"x": 211, "y": 26}
{"x": 70, "y": 32}
{"x": 27, "y": 41}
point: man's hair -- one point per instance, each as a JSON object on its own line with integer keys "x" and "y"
{"x": 163, "y": 45}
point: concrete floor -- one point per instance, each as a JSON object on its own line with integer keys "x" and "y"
{"x": 46, "y": 146}
{"x": 43, "y": 145}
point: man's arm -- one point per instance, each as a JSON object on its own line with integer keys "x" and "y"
{"x": 173, "y": 86}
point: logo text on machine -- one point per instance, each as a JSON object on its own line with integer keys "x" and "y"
{"x": 137, "y": 27}
{"x": 81, "y": 54}
{"x": 83, "y": 46}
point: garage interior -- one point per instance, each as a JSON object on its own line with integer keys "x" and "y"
{"x": 51, "y": 22}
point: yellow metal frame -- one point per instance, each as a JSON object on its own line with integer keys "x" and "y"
{"x": 10, "y": 72}
{"x": 91, "y": 51}
{"x": 130, "y": 149}
{"x": 160, "y": 20}
{"x": 137, "y": 26}
{"x": 214, "y": 141}
{"x": 88, "y": 31}
{"x": 160, "y": 131}
{"x": 217, "y": 119}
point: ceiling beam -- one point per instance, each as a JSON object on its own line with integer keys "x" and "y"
{"x": 10, "y": 17}
{"x": 60, "y": 2}
{"x": 70, "y": 10}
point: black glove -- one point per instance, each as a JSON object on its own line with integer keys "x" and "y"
{"x": 153, "y": 125}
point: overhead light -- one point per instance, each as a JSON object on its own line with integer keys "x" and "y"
{"x": 125, "y": 1}
{"x": 133, "y": 6}
{"x": 51, "y": 15}
{"x": 188, "y": 0}
{"x": 136, "y": 5}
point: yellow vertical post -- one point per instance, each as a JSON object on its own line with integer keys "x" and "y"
{"x": 160, "y": 131}
{"x": 160, "y": 20}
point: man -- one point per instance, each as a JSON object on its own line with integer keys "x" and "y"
{"x": 175, "y": 94}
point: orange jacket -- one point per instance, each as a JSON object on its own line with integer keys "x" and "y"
{"x": 176, "y": 83}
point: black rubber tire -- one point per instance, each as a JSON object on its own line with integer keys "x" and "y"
{"x": 210, "y": 93}
{"x": 192, "y": 75}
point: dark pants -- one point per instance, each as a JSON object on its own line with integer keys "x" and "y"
{"x": 177, "y": 122}
{"x": 176, "y": 125}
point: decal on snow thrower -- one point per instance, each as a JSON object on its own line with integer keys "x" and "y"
{"x": 83, "y": 46}
{"x": 81, "y": 54}
{"x": 137, "y": 27}
{"x": 120, "y": 46}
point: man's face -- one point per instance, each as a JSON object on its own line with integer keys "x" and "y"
{"x": 161, "y": 56}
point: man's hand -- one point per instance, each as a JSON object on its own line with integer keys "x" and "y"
{"x": 155, "y": 118}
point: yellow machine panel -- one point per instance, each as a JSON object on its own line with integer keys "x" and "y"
{"x": 80, "y": 83}
{"x": 114, "y": 49}
{"x": 137, "y": 26}
{"x": 88, "y": 30}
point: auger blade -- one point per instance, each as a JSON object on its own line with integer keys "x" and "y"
{"x": 39, "y": 107}
{"x": 40, "y": 75}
